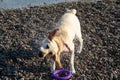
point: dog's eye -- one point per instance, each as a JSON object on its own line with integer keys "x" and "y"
{"x": 47, "y": 47}
{"x": 50, "y": 53}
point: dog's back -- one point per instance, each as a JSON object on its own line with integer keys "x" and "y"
{"x": 69, "y": 23}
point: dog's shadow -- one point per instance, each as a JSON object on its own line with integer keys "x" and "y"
{"x": 21, "y": 63}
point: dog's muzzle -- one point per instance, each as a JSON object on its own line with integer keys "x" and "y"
{"x": 40, "y": 54}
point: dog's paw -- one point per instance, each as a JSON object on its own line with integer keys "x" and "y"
{"x": 52, "y": 70}
{"x": 73, "y": 71}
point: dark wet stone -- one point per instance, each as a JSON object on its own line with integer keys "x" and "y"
{"x": 118, "y": 2}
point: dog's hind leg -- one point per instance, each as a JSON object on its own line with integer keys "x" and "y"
{"x": 72, "y": 59}
{"x": 79, "y": 38}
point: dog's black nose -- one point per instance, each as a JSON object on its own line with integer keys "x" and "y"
{"x": 40, "y": 54}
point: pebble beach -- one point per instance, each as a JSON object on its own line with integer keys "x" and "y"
{"x": 22, "y": 31}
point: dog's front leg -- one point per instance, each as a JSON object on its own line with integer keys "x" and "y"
{"x": 57, "y": 60}
{"x": 53, "y": 66}
{"x": 72, "y": 59}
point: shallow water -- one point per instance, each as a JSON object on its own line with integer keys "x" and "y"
{"x": 13, "y": 4}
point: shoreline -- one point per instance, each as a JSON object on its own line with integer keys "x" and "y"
{"x": 11, "y": 4}
{"x": 26, "y": 4}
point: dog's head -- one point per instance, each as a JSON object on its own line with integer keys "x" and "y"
{"x": 49, "y": 46}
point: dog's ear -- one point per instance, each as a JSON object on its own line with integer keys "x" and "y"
{"x": 50, "y": 36}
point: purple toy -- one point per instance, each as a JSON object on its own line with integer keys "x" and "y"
{"x": 69, "y": 74}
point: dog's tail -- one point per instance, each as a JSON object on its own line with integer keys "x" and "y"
{"x": 73, "y": 11}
